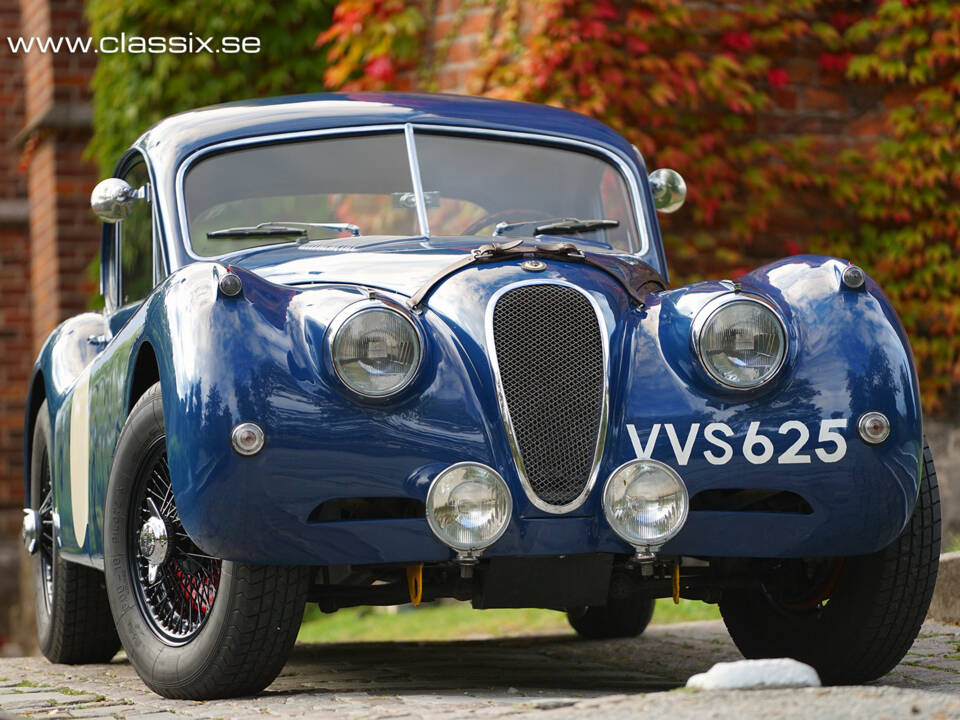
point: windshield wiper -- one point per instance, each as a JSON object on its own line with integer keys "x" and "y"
{"x": 561, "y": 226}
{"x": 276, "y": 228}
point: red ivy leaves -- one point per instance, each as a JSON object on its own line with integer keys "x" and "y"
{"x": 370, "y": 42}
{"x": 380, "y": 69}
{"x": 834, "y": 62}
{"x": 777, "y": 77}
{"x": 697, "y": 89}
{"x": 739, "y": 42}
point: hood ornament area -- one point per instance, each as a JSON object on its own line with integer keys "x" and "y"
{"x": 628, "y": 275}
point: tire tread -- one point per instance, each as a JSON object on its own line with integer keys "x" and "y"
{"x": 874, "y": 615}
{"x": 264, "y": 606}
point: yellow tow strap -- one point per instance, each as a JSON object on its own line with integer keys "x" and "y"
{"x": 415, "y": 582}
{"x": 676, "y": 584}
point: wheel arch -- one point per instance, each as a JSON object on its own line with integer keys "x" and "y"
{"x": 146, "y": 373}
{"x": 36, "y": 396}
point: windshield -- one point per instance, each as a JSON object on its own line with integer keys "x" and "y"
{"x": 257, "y": 195}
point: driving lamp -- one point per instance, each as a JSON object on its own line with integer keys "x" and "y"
{"x": 469, "y": 506}
{"x": 646, "y": 503}
{"x": 741, "y": 342}
{"x": 376, "y": 351}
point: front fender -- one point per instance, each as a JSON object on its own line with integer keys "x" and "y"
{"x": 848, "y": 354}
{"x": 258, "y": 357}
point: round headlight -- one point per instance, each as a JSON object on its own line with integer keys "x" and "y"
{"x": 469, "y": 506}
{"x": 376, "y": 351}
{"x": 645, "y": 502}
{"x": 742, "y": 343}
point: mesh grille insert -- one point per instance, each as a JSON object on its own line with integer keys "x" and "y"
{"x": 550, "y": 354}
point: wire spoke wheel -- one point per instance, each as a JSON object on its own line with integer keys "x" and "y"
{"x": 176, "y": 583}
{"x": 45, "y": 549}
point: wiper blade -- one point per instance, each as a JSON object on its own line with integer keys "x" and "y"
{"x": 284, "y": 228}
{"x": 562, "y": 226}
{"x": 257, "y": 230}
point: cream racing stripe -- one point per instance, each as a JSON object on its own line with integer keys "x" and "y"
{"x": 80, "y": 456}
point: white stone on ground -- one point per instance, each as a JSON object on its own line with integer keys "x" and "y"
{"x": 779, "y": 672}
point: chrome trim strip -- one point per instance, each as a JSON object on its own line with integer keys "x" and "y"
{"x": 630, "y": 177}
{"x": 624, "y": 168}
{"x": 415, "y": 175}
{"x": 505, "y": 410}
{"x": 711, "y": 308}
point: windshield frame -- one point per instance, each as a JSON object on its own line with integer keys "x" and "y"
{"x": 408, "y": 132}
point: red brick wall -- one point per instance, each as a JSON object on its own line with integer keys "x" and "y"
{"x": 47, "y": 239}
{"x": 460, "y": 34}
{"x": 15, "y": 323}
{"x": 64, "y": 234}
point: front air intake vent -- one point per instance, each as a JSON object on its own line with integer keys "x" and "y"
{"x": 549, "y": 357}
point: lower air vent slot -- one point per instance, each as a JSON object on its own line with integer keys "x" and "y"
{"x": 752, "y": 500}
{"x": 367, "y": 509}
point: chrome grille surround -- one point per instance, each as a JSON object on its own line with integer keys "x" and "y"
{"x": 531, "y": 484}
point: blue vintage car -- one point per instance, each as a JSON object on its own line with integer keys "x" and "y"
{"x": 371, "y": 348}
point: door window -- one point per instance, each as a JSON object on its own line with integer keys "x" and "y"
{"x": 136, "y": 243}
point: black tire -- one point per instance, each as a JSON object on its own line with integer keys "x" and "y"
{"x": 74, "y": 624}
{"x": 624, "y": 618}
{"x": 873, "y": 612}
{"x": 247, "y": 630}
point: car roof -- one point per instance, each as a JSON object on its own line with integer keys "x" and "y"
{"x": 180, "y": 135}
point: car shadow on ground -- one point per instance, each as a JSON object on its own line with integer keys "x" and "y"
{"x": 509, "y": 666}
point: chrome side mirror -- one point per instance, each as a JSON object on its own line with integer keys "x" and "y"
{"x": 668, "y": 189}
{"x": 112, "y": 199}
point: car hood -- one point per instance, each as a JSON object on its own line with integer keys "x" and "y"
{"x": 401, "y": 265}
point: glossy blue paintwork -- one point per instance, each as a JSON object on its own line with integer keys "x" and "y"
{"x": 261, "y": 357}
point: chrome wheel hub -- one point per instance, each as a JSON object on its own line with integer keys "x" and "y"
{"x": 175, "y": 581}
{"x": 154, "y": 542}
{"x": 31, "y": 525}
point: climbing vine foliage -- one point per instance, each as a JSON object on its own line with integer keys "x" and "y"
{"x": 799, "y": 125}
{"x": 133, "y": 90}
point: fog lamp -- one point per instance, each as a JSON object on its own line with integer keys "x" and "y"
{"x": 469, "y": 506}
{"x": 646, "y": 503}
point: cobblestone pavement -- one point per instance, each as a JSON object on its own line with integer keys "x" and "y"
{"x": 552, "y": 677}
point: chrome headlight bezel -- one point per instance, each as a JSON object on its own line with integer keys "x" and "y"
{"x": 353, "y": 311}
{"x": 710, "y": 310}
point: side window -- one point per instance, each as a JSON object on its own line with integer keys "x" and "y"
{"x": 616, "y": 204}
{"x": 136, "y": 243}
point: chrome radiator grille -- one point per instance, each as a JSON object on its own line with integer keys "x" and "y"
{"x": 550, "y": 359}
